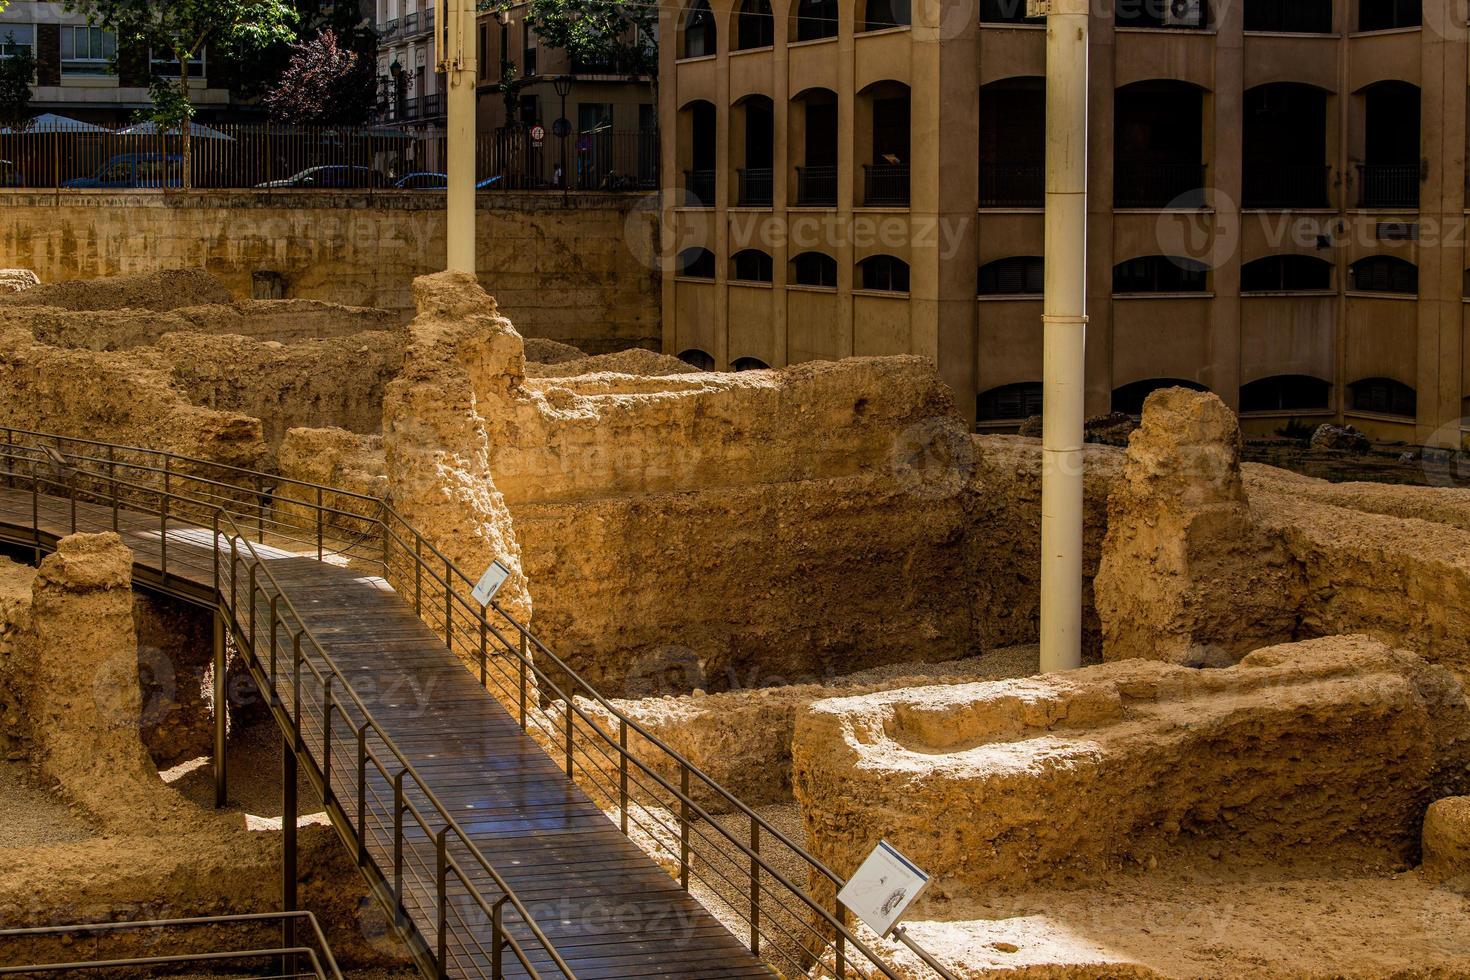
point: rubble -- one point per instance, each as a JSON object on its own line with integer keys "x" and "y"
{"x": 1340, "y": 439}
{"x": 17, "y": 280}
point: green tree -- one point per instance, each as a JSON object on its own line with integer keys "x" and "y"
{"x": 623, "y": 35}
{"x": 184, "y": 28}
{"x": 16, "y": 73}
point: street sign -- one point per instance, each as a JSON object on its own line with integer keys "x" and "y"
{"x": 562, "y": 128}
{"x": 538, "y": 134}
{"x": 881, "y": 891}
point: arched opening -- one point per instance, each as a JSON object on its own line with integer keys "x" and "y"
{"x": 755, "y": 25}
{"x": 813, "y": 118}
{"x": 750, "y": 364}
{"x": 1160, "y": 274}
{"x": 697, "y": 151}
{"x": 885, "y": 273}
{"x": 1021, "y": 275}
{"x": 1286, "y": 274}
{"x": 701, "y": 38}
{"x": 1286, "y": 393}
{"x": 696, "y": 263}
{"x": 1193, "y": 14}
{"x": 1158, "y": 129}
{"x": 814, "y": 20}
{"x": 1013, "y": 402}
{"x": 814, "y": 269}
{"x": 1390, "y": 15}
{"x": 1385, "y": 274}
{"x": 1129, "y": 399}
{"x": 1006, "y": 12}
{"x": 1390, "y": 173}
{"x": 753, "y": 133}
{"x": 751, "y": 265}
{"x": 884, "y": 134}
{"x": 1384, "y": 396}
{"x": 695, "y": 357}
{"x": 1013, "y": 143}
{"x": 1289, "y": 16}
{"x": 882, "y": 14}
{"x": 1284, "y": 147}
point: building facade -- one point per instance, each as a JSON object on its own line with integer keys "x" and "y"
{"x": 1277, "y": 199}
{"x": 410, "y": 90}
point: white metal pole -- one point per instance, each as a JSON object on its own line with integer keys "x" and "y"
{"x": 458, "y": 56}
{"x": 1065, "y": 329}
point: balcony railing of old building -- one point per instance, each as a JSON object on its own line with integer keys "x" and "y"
{"x": 756, "y": 187}
{"x": 700, "y": 186}
{"x": 886, "y": 185}
{"x": 410, "y": 24}
{"x": 1159, "y": 185}
{"x": 1389, "y": 185}
{"x": 1012, "y": 185}
{"x": 816, "y": 186}
{"x": 1285, "y": 186}
{"x": 388, "y": 29}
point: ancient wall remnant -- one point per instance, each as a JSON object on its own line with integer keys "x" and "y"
{"x": 169, "y": 289}
{"x": 1331, "y": 744}
{"x": 17, "y": 658}
{"x": 1447, "y": 842}
{"x": 17, "y": 280}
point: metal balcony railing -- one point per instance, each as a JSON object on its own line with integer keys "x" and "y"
{"x": 756, "y": 187}
{"x": 1285, "y": 186}
{"x": 816, "y": 186}
{"x": 1159, "y": 185}
{"x": 886, "y": 185}
{"x": 1013, "y": 185}
{"x": 700, "y": 186}
{"x": 1389, "y": 185}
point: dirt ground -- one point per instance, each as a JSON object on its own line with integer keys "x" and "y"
{"x": 31, "y": 817}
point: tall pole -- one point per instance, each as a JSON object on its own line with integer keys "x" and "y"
{"x": 1065, "y": 330}
{"x": 458, "y": 58}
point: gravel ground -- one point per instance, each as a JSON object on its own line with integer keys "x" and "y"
{"x": 31, "y": 817}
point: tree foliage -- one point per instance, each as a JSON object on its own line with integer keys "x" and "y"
{"x": 16, "y": 73}
{"x": 324, "y": 84}
{"x": 622, "y": 35}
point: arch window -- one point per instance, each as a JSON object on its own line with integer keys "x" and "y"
{"x": 1023, "y": 275}
{"x": 750, "y": 364}
{"x": 1009, "y": 402}
{"x": 1389, "y": 15}
{"x": 1384, "y": 396}
{"x": 755, "y": 26}
{"x": 695, "y": 357}
{"x": 815, "y": 269}
{"x": 1385, "y": 274}
{"x": 1286, "y": 273}
{"x": 880, "y": 14}
{"x": 700, "y": 36}
{"x": 1286, "y": 393}
{"x": 1159, "y": 274}
{"x": 752, "y": 265}
{"x": 1289, "y": 16}
{"x": 1129, "y": 399}
{"x": 815, "y": 19}
{"x": 697, "y": 263}
{"x": 885, "y": 274}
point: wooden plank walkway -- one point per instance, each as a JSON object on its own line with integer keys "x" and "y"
{"x": 606, "y": 907}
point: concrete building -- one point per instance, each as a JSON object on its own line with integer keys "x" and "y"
{"x": 1277, "y": 199}
{"x": 410, "y": 90}
{"x": 614, "y": 122}
{"x": 75, "y": 74}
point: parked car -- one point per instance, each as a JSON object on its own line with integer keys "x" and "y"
{"x": 9, "y": 175}
{"x": 129, "y": 170}
{"x": 339, "y": 176}
{"x": 437, "y": 182}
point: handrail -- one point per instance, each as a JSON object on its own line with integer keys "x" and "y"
{"x": 433, "y": 571}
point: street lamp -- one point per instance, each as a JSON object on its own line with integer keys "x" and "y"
{"x": 563, "y": 128}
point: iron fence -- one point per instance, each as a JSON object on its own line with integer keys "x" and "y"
{"x": 816, "y": 186}
{"x": 1159, "y": 185}
{"x": 886, "y": 185}
{"x": 1389, "y": 185}
{"x": 1285, "y": 185}
{"x": 266, "y": 156}
{"x": 757, "y": 187}
{"x": 1012, "y": 185}
{"x": 699, "y": 185}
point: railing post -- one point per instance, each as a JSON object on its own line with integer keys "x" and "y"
{"x": 36, "y": 509}
{"x": 320, "y": 530}
{"x": 623, "y": 774}
{"x": 568, "y": 703}
{"x": 484, "y": 653}
{"x": 296, "y": 663}
{"x": 684, "y": 826}
{"x": 289, "y": 901}
{"x": 112, "y": 482}
{"x": 163, "y": 520}
{"x": 441, "y": 846}
{"x": 275, "y": 620}
{"x": 418, "y": 577}
{"x": 448, "y": 606}
{"x": 328, "y": 705}
{"x": 362, "y": 854}
{"x": 10, "y": 458}
{"x": 497, "y": 939}
{"x": 221, "y": 712}
{"x": 755, "y": 885}
{"x": 398, "y": 846}
{"x": 254, "y": 631}
{"x": 840, "y": 950}
{"x": 525, "y": 675}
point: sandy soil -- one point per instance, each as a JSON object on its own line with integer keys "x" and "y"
{"x": 30, "y": 817}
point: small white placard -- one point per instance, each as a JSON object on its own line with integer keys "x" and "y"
{"x": 490, "y": 583}
{"x": 883, "y": 888}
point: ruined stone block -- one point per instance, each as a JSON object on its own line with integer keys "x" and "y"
{"x": 1447, "y": 842}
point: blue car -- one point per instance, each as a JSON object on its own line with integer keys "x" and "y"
{"x": 427, "y": 181}
{"x": 133, "y": 170}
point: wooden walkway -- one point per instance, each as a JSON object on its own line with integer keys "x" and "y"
{"x": 607, "y": 908}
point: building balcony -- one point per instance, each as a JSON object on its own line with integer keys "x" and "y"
{"x": 1286, "y": 186}
{"x": 700, "y": 186}
{"x": 816, "y": 186}
{"x": 1159, "y": 185}
{"x": 1389, "y": 185}
{"x": 1013, "y": 185}
{"x": 756, "y": 187}
{"x": 886, "y": 185}
{"x": 388, "y": 30}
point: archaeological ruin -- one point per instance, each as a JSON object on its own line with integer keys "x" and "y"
{"x": 762, "y": 621}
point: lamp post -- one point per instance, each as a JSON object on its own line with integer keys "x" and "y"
{"x": 563, "y": 86}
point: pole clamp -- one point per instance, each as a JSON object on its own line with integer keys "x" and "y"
{"x": 1063, "y": 318}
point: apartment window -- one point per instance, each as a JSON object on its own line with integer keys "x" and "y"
{"x": 699, "y": 30}
{"x": 1286, "y": 393}
{"x": 1286, "y": 274}
{"x": 1006, "y": 12}
{"x": 816, "y": 19}
{"x": 165, "y": 65}
{"x": 695, "y": 357}
{"x": 1009, "y": 402}
{"x": 1289, "y": 16}
{"x": 1159, "y": 274}
{"x": 1385, "y": 274}
{"x": 1384, "y": 396}
{"x": 88, "y": 51}
{"x": 697, "y": 263}
{"x": 885, "y": 274}
{"x": 1020, "y": 275}
{"x": 753, "y": 265}
{"x": 750, "y": 364}
{"x": 882, "y": 14}
{"x": 15, "y": 38}
{"x": 1388, "y": 15}
{"x": 755, "y": 25}
{"x": 1162, "y": 13}
{"x": 815, "y": 269}
{"x": 594, "y": 117}
{"x": 528, "y": 49}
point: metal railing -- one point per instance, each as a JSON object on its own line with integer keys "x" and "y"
{"x": 303, "y": 952}
{"x": 886, "y": 185}
{"x": 1389, "y": 185}
{"x": 699, "y": 186}
{"x": 1159, "y": 185}
{"x": 816, "y": 186}
{"x": 757, "y": 187}
{"x": 602, "y": 161}
{"x": 1008, "y": 185}
{"x": 722, "y": 850}
{"x": 1271, "y": 185}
